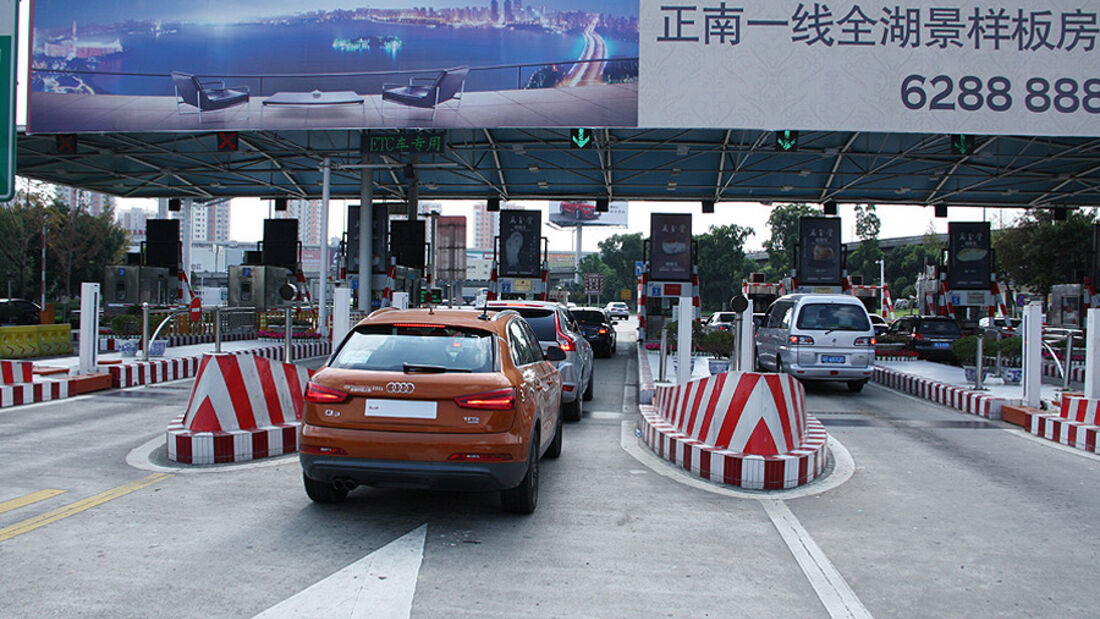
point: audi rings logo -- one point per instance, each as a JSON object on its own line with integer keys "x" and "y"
{"x": 400, "y": 387}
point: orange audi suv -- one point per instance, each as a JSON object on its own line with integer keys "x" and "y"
{"x": 437, "y": 399}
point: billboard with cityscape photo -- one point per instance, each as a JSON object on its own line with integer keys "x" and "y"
{"x": 147, "y": 65}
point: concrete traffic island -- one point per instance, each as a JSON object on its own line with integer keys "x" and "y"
{"x": 744, "y": 429}
{"x": 242, "y": 407}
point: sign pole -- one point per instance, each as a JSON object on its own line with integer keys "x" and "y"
{"x": 322, "y": 293}
{"x": 366, "y": 234}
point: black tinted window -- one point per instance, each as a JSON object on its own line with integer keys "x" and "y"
{"x": 939, "y": 327}
{"x": 833, "y": 316}
{"x": 542, "y": 323}
{"x": 589, "y": 316}
{"x": 390, "y": 347}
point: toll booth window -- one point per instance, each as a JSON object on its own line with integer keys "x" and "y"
{"x": 120, "y": 290}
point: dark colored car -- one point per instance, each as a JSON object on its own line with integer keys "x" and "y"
{"x": 880, "y": 324}
{"x": 597, "y": 329}
{"x": 19, "y": 312}
{"x": 929, "y": 336}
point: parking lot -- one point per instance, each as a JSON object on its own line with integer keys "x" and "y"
{"x": 931, "y": 513}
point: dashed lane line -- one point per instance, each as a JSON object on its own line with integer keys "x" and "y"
{"x": 33, "y": 497}
{"x": 72, "y": 509}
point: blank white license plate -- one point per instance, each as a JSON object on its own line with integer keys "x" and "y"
{"x": 401, "y": 409}
{"x": 832, "y": 358}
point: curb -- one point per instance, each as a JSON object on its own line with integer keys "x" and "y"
{"x": 162, "y": 370}
{"x": 232, "y": 446}
{"x": 959, "y": 398}
{"x": 16, "y": 372}
{"x": 646, "y": 388}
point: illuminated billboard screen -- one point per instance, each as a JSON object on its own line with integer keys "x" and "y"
{"x": 584, "y": 212}
{"x": 148, "y": 65}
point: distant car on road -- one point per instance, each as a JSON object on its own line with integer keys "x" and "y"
{"x": 1007, "y": 326}
{"x": 720, "y": 321}
{"x": 617, "y": 310}
{"x": 928, "y": 336}
{"x": 19, "y": 312}
{"x": 598, "y": 329}
{"x": 880, "y": 324}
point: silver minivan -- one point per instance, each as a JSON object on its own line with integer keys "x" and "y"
{"x": 818, "y": 337}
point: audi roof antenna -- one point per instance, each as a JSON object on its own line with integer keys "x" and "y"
{"x": 484, "y": 309}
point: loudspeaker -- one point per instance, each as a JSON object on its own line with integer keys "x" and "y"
{"x": 941, "y": 210}
{"x": 280, "y": 204}
{"x": 281, "y": 243}
{"x": 492, "y": 205}
{"x": 174, "y": 204}
{"x": 830, "y": 207}
{"x": 603, "y": 205}
{"x": 708, "y": 206}
{"x": 1059, "y": 214}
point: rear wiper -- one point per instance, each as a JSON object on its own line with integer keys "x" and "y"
{"x": 410, "y": 368}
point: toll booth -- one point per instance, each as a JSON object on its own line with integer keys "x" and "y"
{"x": 1068, "y": 303}
{"x": 761, "y": 292}
{"x": 869, "y": 295}
{"x": 520, "y": 257}
{"x": 134, "y": 284}
{"x": 259, "y": 286}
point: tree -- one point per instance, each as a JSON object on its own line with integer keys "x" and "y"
{"x": 82, "y": 244}
{"x": 904, "y": 263}
{"x": 1038, "y": 252}
{"x": 21, "y": 224}
{"x": 592, "y": 263}
{"x": 722, "y": 263}
{"x": 619, "y": 253}
{"x": 864, "y": 260}
{"x": 783, "y": 225}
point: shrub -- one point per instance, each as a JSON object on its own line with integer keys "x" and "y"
{"x": 126, "y": 324}
{"x": 717, "y": 343}
{"x": 966, "y": 348}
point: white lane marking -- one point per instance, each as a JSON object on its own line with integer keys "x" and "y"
{"x": 831, "y": 588}
{"x": 141, "y": 458}
{"x": 1052, "y": 444}
{"x": 843, "y": 469}
{"x": 381, "y": 585}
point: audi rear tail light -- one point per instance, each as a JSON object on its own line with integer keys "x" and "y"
{"x": 320, "y": 394}
{"x": 499, "y": 400}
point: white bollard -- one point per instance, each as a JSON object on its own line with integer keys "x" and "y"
{"x": 89, "y": 326}
{"x": 400, "y": 300}
{"x": 748, "y": 331}
{"x": 1033, "y": 354}
{"x": 683, "y": 342}
{"x": 1092, "y": 355}
{"x": 341, "y": 315}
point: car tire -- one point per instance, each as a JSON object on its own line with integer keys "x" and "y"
{"x": 554, "y": 450}
{"x": 571, "y": 411}
{"x": 855, "y": 386}
{"x": 524, "y": 498}
{"x": 320, "y": 492}
{"x": 589, "y": 391}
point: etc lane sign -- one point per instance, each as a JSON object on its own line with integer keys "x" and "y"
{"x": 9, "y": 27}
{"x": 960, "y": 66}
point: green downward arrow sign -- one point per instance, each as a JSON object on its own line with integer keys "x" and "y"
{"x": 580, "y": 138}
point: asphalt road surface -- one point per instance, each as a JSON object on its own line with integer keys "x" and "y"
{"x": 935, "y": 514}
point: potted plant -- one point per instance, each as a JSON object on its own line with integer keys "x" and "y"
{"x": 966, "y": 350}
{"x": 1011, "y": 351}
{"x": 719, "y": 344}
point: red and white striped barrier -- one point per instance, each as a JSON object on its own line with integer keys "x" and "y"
{"x": 163, "y": 370}
{"x": 16, "y": 372}
{"x": 960, "y": 398}
{"x": 739, "y": 428}
{"x": 1076, "y": 372}
{"x": 1074, "y": 424}
{"x": 30, "y": 393}
{"x": 241, "y": 408}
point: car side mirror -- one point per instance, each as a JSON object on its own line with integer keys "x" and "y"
{"x": 555, "y": 353}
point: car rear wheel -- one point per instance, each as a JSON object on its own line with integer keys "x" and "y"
{"x": 571, "y": 411}
{"x": 555, "y": 445}
{"x": 588, "y": 391}
{"x": 320, "y": 492}
{"x": 855, "y": 386}
{"x": 524, "y": 498}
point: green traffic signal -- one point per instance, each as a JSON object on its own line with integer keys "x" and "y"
{"x": 786, "y": 141}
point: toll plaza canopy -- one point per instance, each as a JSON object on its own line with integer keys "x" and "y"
{"x": 620, "y": 164}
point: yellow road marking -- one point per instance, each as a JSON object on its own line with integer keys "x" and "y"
{"x": 71, "y": 509}
{"x": 34, "y": 497}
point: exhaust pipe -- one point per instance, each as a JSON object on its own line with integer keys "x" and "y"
{"x": 338, "y": 484}
{"x": 350, "y": 484}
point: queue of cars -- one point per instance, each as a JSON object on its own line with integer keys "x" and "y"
{"x": 447, "y": 399}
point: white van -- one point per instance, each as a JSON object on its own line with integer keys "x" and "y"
{"x": 818, "y": 337}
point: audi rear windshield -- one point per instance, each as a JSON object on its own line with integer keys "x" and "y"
{"x": 417, "y": 348}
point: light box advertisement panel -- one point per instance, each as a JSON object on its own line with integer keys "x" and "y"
{"x": 582, "y": 212}
{"x": 670, "y": 253}
{"x": 819, "y": 251}
{"x": 520, "y": 243}
{"x": 1006, "y": 67}
{"x": 148, "y": 65}
{"x": 968, "y": 255}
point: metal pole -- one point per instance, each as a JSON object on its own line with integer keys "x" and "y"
{"x": 1069, "y": 362}
{"x": 980, "y": 361}
{"x": 1092, "y": 354}
{"x": 286, "y": 335}
{"x": 663, "y": 355}
{"x": 188, "y": 240}
{"x": 577, "y": 258}
{"x": 322, "y": 293}
{"x": 217, "y": 328}
{"x": 366, "y": 235}
{"x": 735, "y": 356}
{"x": 145, "y": 331}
